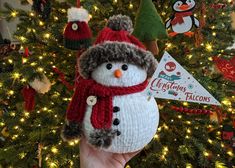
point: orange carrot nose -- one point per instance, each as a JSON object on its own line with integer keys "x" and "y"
{"x": 118, "y": 73}
{"x": 184, "y": 7}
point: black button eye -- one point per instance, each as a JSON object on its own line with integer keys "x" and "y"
{"x": 124, "y": 67}
{"x": 109, "y": 66}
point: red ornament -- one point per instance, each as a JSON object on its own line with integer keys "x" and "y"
{"x": 227, "y": 135}
{"x": 29, "y": 98}
{"x": 226, "y": 67}
{"x": 26, "y": 52}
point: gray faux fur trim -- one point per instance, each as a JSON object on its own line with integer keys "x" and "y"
{"x": 120, "y": 22}
{"x": 116, "y": 52}
{"x": 102, "y": 138}
{"x": 71, "y": 131}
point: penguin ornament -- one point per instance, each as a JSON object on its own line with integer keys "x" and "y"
{"x": 183, "y": 19}
{"x": 109, "y": 107}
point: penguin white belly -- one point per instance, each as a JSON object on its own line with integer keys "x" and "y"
{"x": 184, "y": 27}
{"x": 136, "y": 120}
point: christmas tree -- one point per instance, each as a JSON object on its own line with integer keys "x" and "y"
{"x": 31, "y": 119}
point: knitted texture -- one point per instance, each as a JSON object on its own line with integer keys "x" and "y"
{"x": 108, "y": 34}
{"x": 102, "y": 113}
{"x": 120, "y": 22}
{"x": 139, "y": 119}
{"x": 77, "y": 35}
{"x": 116, "y": 52}
{"x": 29, "y": 98}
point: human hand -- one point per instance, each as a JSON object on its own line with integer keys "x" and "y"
{"x": 94, "y": 158}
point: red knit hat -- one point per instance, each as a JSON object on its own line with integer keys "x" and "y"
{"x": 115, "y": 43}
{"x": 77, "y": 34}
{"x": 107, "y": 34}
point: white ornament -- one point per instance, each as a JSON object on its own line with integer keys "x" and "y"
{"x": 78, "y": 14}
{"x": 41, "y": 86}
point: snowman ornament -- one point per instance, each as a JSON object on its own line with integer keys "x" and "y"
{"x": 109, "y": 107}
{"x": 183, "y": 20}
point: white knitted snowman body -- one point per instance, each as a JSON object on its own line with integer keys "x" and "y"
{"x": 135, "y": 117}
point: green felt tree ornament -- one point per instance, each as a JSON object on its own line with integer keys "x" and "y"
{"x": 149, "y": 26}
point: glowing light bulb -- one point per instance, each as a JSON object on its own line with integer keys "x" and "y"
{"x": 209, "y": 47}
{"x": 188, "y": 131}
{"x": 226, "y": 102}
{"x": 210, "y": 141}
{"x": 210, "y": 58}
{"x": 11, "y": 92}
{"x": 12, "y": 114}
{"x": 22, "y": 120}
{"x": 206, "y": 153}
{"x": 156, "y": 136}
{"x": 31, "y": 14}
{"x": 165, "y": 149}
{"x": 15, "y": 136}
{"x": 22, "y": 38}
{"x": 45, "y": 109}
{"x": 64, "y": 10}
{"x": 54, "y": 150}
{"x": 230, "y": 153}
{"x": 52, "y": 165}
{"x": 188, "y": 122}
{"x": 96, "y": 8}
{"x": 131, "y": 6}
{"x": 47, "y": 35}
{"x": 16, "y": 75}
{"x": 168, "y": 45}
{"x": 40, "y": 69}
{"x": 26, "y": 114}
{"x": 188, "y": 165}
{"x": 14, "y": 14}
{"x": 185, "y": 103}
{"x": 10, "y": 61}
{"x": 71, "y": 143}
{"x": 41, "y": 23}
{"x": 33, "y": 64}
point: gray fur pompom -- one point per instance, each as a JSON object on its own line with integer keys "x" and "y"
{"x": 120, "y": 22}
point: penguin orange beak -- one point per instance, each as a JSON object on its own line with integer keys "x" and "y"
{"x": 118, "y": 73}
{"x": 184, "y": 7}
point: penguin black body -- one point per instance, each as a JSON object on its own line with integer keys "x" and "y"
{"x": 183, "y": 19}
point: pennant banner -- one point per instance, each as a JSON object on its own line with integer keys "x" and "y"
{"x": 172, "y": 81}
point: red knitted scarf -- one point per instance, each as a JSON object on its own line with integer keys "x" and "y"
{"x": 102, "y": 111}
{"x": 179, "y": 17}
